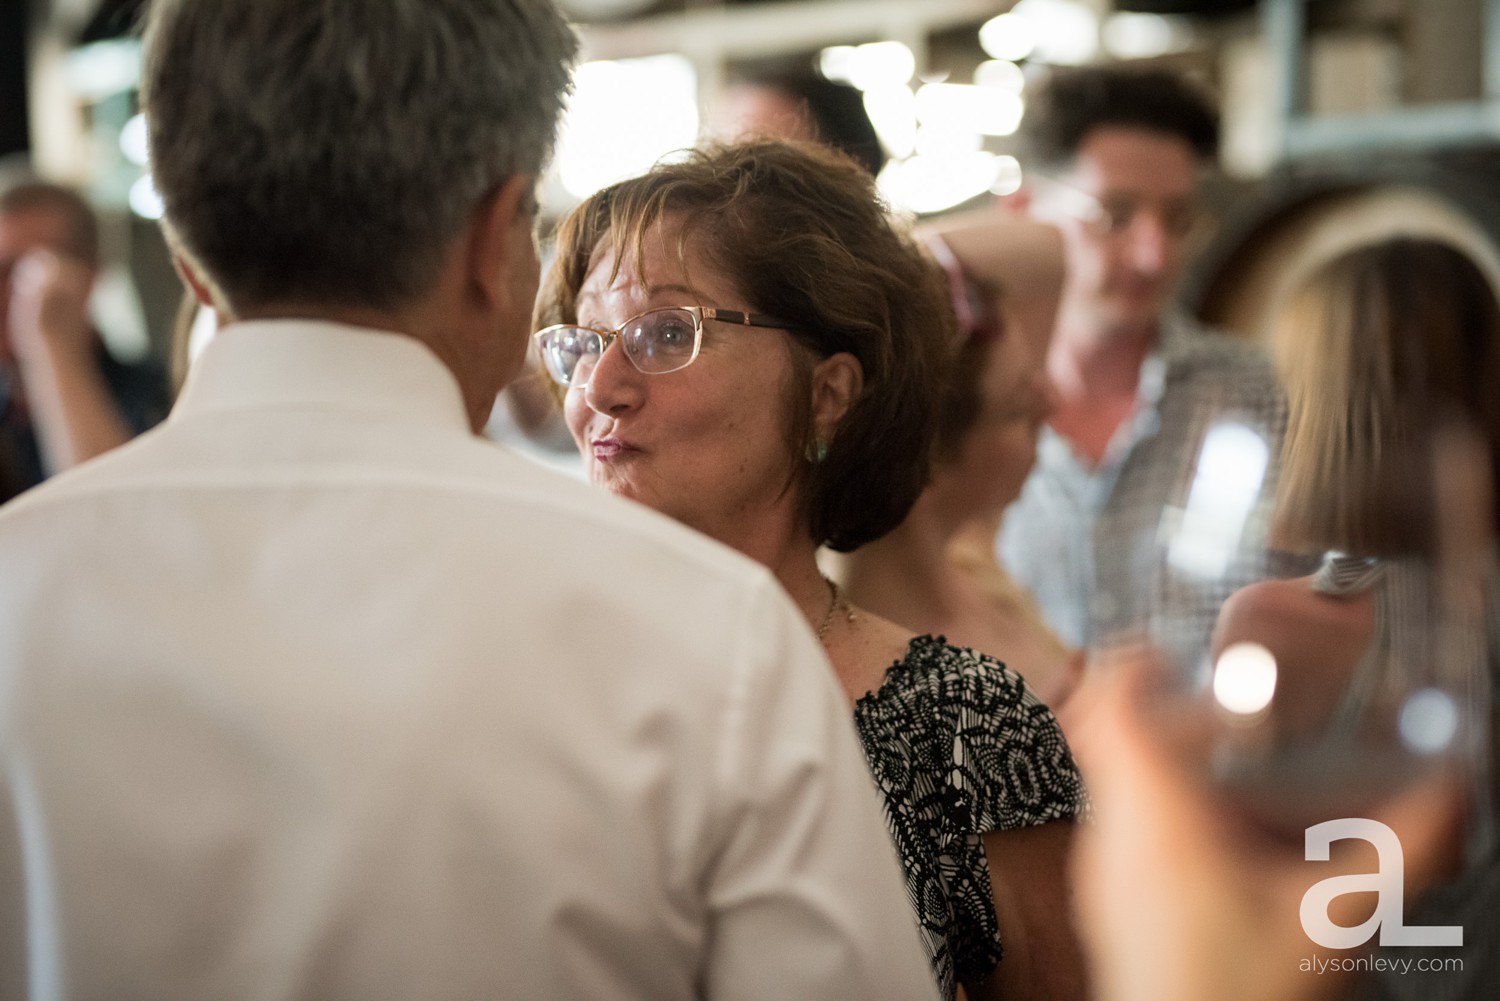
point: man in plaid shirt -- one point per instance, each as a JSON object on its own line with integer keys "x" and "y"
{"x": 1117, "y": 158}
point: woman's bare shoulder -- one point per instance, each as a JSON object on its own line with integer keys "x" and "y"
{"x": 863, "y": 647}
{"x": 1289, "y": 616}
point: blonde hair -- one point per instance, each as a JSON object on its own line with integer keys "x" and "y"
{"x": 1377, "y": 348}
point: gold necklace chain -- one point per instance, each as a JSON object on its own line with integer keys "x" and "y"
{"x": 835, "y": 602}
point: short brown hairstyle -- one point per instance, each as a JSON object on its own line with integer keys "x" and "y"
{"x": 1377, "y": 347}
{"x": 802, "y": 232}
{"x": 82, "y": 225}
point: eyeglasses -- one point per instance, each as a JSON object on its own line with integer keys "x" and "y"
{"x": 1113, "y": 215}
{"x": 657, "y": 341}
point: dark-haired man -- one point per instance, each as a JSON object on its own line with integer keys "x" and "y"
{"x": 1116, "y": 157}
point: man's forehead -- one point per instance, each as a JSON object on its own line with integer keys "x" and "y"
{"x": 1134, "y": 159}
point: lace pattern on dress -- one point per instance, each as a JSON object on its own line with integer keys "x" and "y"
{"x": 958, "y": 746}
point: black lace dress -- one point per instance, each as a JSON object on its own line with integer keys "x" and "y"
{"x": 959, "y": 746}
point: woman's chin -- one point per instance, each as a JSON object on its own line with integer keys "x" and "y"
{"x": 621, "y": 486}
{"x": 626, "y": 489}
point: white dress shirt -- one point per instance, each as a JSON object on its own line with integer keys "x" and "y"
{"x": 310, "y": 693}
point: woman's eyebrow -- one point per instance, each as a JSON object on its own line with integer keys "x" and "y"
{"x": 655, "y": 290}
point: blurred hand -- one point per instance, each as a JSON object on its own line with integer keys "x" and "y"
{"x": 1179, "y": 899}
{"x": 73, "y": 413}
{"x": 49, "y": 306}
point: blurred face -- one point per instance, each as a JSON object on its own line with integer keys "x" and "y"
{"x": 748, "y": 111}
{"x": 707, "y": 444}
{"x": 1126, "y": 210}
{"x": 998, "y": 452}
{"x": 20, "y": 233}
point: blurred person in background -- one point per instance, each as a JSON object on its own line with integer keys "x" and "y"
{"x": 309, "y": 691}
{"x": 749, "y": 345}
{"x": 64, "y": 397}
{"x": 778, "y": 101}
{"x": 1381, "y": 349}
{"x": 1115, "y": 158}
{"x": 936, "y": 572}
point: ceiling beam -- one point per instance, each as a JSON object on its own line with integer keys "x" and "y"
{"x": 750, "y": 30}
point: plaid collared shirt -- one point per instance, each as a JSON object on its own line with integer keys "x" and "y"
{"x": 1090, "y": 541}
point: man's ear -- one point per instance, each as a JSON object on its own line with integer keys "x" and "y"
{"x": 1018, "y": 201}
{"x": 501, "y": 227}
{"x": 837, "y": 382}
{"x": 189, "y": 276}
{"x": 202, "y": 289}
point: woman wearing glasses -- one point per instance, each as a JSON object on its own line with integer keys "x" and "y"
{"x": 748, "y": 346}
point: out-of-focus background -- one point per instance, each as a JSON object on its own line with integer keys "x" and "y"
{"x": 1343, "y": 118}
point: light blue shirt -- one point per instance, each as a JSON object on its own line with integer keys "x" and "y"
{"x": 1089, "y": 541}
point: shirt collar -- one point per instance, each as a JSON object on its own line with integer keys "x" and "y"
{"x": 279, "y": 363}
{"x": 1174, "y": 339}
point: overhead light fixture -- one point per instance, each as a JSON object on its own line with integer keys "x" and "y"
{"x": 928, "y": 184}
{"x": 604, "y": 136}
{"x": 605, "y": 10}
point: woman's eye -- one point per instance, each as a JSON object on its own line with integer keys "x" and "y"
{"x": 674, "y": 335}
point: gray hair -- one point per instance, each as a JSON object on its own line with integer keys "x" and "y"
{"x": 329, "y": 151}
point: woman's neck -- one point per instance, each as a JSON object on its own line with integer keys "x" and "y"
{"x": 799, "y": 574}
{"x": 778, "y": 544}
{"x": 906, "y": 575}
{"x": 859, "y": 645}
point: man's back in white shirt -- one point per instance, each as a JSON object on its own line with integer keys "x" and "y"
{"x": 311, "y": 694}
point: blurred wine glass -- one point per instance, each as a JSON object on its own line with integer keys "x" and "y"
{"x": 1369, "y": 683}
{"x": 1317, "y": 697}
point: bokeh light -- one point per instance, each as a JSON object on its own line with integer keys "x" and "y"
{"x": 1008, "y": 36}
{"x": 144, "y": 201}
{"x": 1429, "y": 721}
{"x": 606, "y": 137}
{"x": 133, "y": 144}
{"x": 926, "y": 184}
{"x": 1245, "y": 679}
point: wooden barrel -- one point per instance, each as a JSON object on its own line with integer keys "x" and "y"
{"x": 1296, "y": 220}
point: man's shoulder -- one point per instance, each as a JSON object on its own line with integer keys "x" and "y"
{"x": 624, "y": 526}
{"x": 1202, "y": 359}
{"x": 1197, "y": 347}
{"x": 441, "y": 485}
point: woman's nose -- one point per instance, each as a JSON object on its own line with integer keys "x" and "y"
{"x": 614, "y": 385}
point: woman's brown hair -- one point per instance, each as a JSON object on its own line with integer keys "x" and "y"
{"x": 802, "y": 232}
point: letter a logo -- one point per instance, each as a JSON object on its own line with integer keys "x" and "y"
{"x": 1385, "y": 884}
